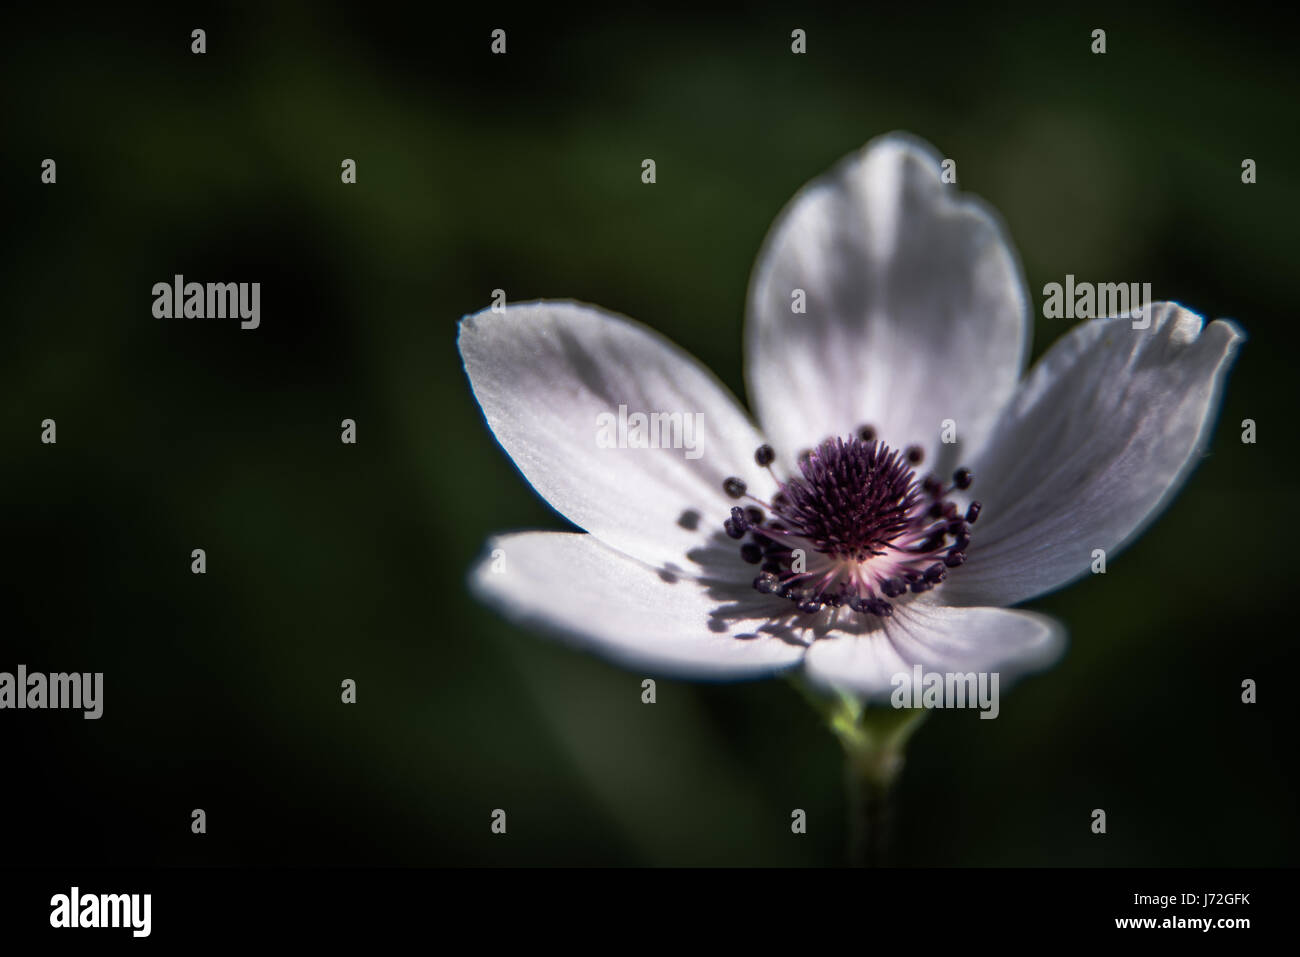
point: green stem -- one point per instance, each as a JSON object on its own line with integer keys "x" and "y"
{"x": 875, "y": 743}
{"x": 870, "y": 810}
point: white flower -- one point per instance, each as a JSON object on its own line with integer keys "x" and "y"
{"x": 915, "y": 313}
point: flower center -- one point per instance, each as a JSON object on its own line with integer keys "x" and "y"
{"x": 854, "y": 529}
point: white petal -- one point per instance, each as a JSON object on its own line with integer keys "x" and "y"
{"x": 551, "y": 378}
{"x": 939, "y": 639}
{"x": 1095, "y": 443}
{"x": 605, "y": 602}
{"x": 916, "y": 308}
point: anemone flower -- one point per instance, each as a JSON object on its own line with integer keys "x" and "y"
{"x": 899, "y": 485}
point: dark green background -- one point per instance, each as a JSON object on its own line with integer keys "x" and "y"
{"x": 523, "y": 172}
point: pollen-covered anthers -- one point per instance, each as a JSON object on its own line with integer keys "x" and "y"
{"x": 855, "y": 529}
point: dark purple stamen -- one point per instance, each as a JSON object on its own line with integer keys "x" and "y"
{"x": 853, "y": 528}
{"x": 852, "y": 499}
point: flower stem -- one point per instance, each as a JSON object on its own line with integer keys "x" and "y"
{"x": 868, "y": 792}
{"x": 874, "y": 742}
